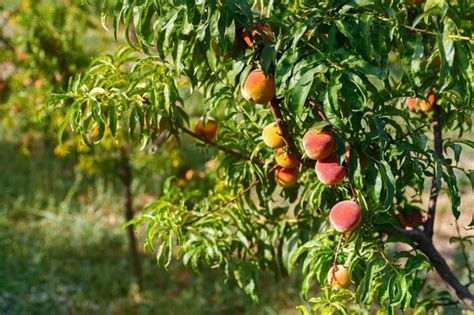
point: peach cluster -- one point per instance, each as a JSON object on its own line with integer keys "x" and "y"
{"x": 319, "y": 145}
{"x": 345, "y": 216}
{"x": 206, "y": 130}
{"x": 424, "y": 104}
{"x": 286, "y": 174}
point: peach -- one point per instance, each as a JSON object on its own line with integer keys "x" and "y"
{"x": 345, "y": 216}
{"x": 206, "y": 130}
{"x": 338, "y": 277}
{"x": 258, "y": 31}
{"x": 412, "y": 220}
{"x": 318, "y": 144}
{"x": 329, "y": 171}
{"x": 286, "y": 177}
{"x": 411, "y": 103}
{"x": 258, "y": 87}
{"x": 425, "y": 105}
{"x": 271, "y": 136}
{"x": 285, "y": 159}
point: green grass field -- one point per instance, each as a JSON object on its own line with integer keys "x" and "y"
{"x": 63, "y": 251}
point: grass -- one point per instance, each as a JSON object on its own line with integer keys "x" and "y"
{"x": 63, "y": 251}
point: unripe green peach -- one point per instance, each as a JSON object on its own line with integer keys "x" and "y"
{"x": 329, "y": 171}
{"x": 285, "y": 159}
{"x": 338, "y": 277}
{"x": 271, "y": 136}
{"x": 345, "y": 216}
{"x": 208, "y": 130}
{"x": 286, "y": 177}
{"x": 318, "y": 144}
{"x": 258, "y": 87}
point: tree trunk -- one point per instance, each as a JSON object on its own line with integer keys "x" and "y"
{"x": 127, "y": 178}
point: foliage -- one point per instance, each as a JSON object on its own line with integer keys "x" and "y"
{"x": 355, "y": 62}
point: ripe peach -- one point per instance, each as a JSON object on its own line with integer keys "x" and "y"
{"x": 345, "y": 216}
{"x": 338, "y": 277}
{"x": 207, "y": 130}
{"x": 258, "y": 87}
{"x": 258, "y": 31}
{"x": 329, "y": 171}
{"x": 271, "y": 136}
{"x": 318, "y": 144}
{"x": 426, "y": 105}
{"x": 411, "y": 103}
{"x": 412, "y": 220}
{"x": 285, "y": 159}
{"x": 286, "y": 177}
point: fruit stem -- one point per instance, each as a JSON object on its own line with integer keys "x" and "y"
{"x": 275, "y": 108}
{"x": 334, "y": 262}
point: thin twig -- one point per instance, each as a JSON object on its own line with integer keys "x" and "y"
{"x": 419, "y": 30}
{"x": 224, "y": 205}
{"x": 423, "y": 126}
{"x": 318, "y": 109}
{"x": 221, "y": 147}
{"x": 334, "y": 262}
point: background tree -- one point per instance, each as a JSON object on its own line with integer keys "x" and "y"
{"x": 337, "y": 80}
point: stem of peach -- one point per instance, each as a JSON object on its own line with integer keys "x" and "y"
{"x": 334, "y": 263}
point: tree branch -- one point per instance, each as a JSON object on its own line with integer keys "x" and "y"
{"x": 275, "y": 108}
{"x": 222, "y": 148}
{"x": 438, "y": 150}
{"x": 320, "y": 111}
{"x": 425, "y": 244}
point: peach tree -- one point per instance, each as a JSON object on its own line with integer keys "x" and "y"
{"x": 326, "y": 120}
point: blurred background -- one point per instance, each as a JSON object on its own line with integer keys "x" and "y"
{"x": 63, "y": 247}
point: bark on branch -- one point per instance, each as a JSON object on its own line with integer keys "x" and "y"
{"x": 438, "y": 149}
{"x": 127, "y": 176}
{"x": 426, "y": 246}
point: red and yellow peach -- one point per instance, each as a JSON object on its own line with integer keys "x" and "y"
{"x": 345, "y": 216}
{"x": 286, "y": 177}
{"x": 318, "y": 144}
{"x": 285, "y": 159}
{"x": 329, "y": 171}
{"x": 338, "y": 277}
{"x": 271, "y": 136}
{"x": 206, "y": 130}
{"x": 258, "y": 87}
